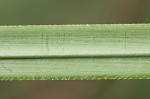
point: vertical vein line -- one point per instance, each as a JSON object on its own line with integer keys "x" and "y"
{"x": 125, "y": 35}
{"x": 47, "y": 42}
{"x": 57, "y": 41}
{"x": 42, "y": 41}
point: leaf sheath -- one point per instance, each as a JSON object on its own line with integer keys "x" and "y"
{"x": 75, "y": 52}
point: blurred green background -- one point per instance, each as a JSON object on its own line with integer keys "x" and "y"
{"x": 43, "y": 12}
{"x": 25, "y": 12}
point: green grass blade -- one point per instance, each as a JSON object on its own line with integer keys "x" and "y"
{"x": 75, "y": 52}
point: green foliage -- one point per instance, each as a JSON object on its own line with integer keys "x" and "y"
{"x": 75, "y": 52}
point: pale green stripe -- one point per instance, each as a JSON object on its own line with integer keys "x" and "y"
{"x": 75, "y": 68}
{"x": 66, "y": 40}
